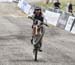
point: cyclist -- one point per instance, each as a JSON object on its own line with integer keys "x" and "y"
{"x": 70, "y": 8}
{"x": 37, "y": 15}
{"x": 57, "y": 5}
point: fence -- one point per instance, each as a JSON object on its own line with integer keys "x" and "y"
{"x": 60, "y": 19}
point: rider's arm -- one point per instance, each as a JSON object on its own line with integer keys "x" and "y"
{"x": 31, "y": 17}
{"x": 45, "y": 20}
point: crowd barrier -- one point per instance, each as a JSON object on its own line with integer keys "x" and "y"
{"x": 69, "y": 24}
{"x": 24, "y": 6}
{"x": 60, "y": 19}
{"x": 51, "y": 17}
{"x": 63, "y": 20}
{"x": 73, "y": 27}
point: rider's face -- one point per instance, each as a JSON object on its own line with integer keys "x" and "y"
{"x": 38, "y": 11}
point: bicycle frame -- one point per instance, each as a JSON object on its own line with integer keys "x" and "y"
{"x": 36, "y": 30}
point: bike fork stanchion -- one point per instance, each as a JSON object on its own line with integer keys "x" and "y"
{"x": 36, "y": 52}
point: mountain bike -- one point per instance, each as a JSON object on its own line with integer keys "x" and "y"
{"x": 38, "y": 32}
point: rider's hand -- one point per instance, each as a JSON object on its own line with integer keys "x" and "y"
{"x": 31, "y": 17}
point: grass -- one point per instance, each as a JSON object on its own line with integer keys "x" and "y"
{"x": 63, "y": 4}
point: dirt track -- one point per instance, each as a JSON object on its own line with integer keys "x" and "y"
{"x": 16, "y": 49}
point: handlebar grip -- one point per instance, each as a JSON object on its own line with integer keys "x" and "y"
{"x": 46, "y": 25}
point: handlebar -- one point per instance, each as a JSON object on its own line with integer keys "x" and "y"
{"x": 30, "y": 17}
{"x": 42, "y": 23}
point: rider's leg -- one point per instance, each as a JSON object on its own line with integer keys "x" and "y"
{"x": 33, "y": 31}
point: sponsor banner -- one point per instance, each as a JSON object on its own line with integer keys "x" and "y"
{"x": 69, "y": 23}
{"x": 63, "y": 20}
{"x": 52, "y": 17}
{"x": 73, "y": 27}
{"x": 31, "y": 11}
{"x": 24, "y": 6}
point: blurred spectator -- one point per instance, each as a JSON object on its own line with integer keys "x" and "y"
{"x": 57, "y": 4}
{"x": 70, "y": 8}
{"x": 47, "y": 1}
